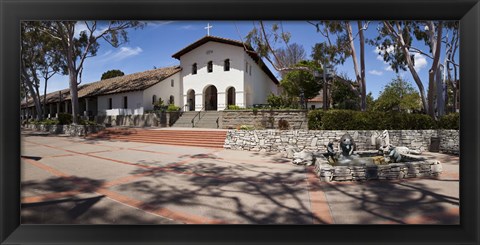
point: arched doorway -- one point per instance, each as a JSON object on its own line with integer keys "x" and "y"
{"x": 210, "y": 98}
{"x": 230, "y": 96}
{"x": 191, "y": 100}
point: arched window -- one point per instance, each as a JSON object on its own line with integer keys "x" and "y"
{"x": 172, "y": 100}
{"x": 226, "y": 65}
{"x": 194, "y": 68}
{"x": 210, "y": 66}
{"x": 154, "y": 99}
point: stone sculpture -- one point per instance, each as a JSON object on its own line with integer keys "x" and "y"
{"x": 331, "y": 154}
{"x": 347, "y": 145}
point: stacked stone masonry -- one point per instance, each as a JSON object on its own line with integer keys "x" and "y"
{"x": 391, "y": 171}
{"x": 315, "y": 140}
{"x": 72, "y": 130}
{"x": 267, "y": 119}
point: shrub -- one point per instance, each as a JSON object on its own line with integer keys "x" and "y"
{"x": 245, "y": 127}
{"x": 315, "y": 119}
{"x": 234, "y": 107}
{"x": 87, "y": 122}
{"x": 450, "y": 121}
{"x": 50, "y": 122}
{"x": 173, "y": 107}
{"x": 64, "y": 119}
{"x": 357, "y": 120}
{"x": 283, "y": 124}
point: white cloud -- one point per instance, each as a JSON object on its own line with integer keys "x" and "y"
{"x": 388, "y": 68}
{"x": 120, "y": 54}
{"x": 420, "y": 62}
{"x": 375, "y": 72}
{"x": 156, "y": 24}
{"x": 187, "y": 27}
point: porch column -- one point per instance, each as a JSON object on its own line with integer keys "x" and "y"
{"x": 50, "y": 110}
{"x": 66, "y": 106}
{"x": 85, "y": 113}
{"x": 58, "y": 109}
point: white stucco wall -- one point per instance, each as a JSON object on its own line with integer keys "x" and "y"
{"x": 163, "y": 90}
{"x": 258, "y": 84}
{"x": 135, "y": 104}
{"x": 218, "y": 53}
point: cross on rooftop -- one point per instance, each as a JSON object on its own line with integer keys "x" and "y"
{"x": 208, "y": 28}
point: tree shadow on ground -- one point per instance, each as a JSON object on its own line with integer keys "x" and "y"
{"x": 77, "y": 203}
{"x": 63, "y": 184}
{"x": 233, "y": 193}
{"x": 396, "y": 202}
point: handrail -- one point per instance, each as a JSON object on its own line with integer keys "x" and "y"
{"x": 198, "y": 114}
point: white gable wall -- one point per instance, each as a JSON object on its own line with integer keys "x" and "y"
{"x": 163, "y": 90}
{"x": 258, "y": 84}
{"x": 217, "y": 52}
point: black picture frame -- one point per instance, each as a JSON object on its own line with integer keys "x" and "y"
{"x": 12, "y": 12}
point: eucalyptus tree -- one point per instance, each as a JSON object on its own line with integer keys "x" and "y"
{"x": 339, "y": 45}
{"x": 451, "y": 41}
{"x": 395, "y": 43}
{"x": 77, "y": 48}
{"x": 39, "y": 59}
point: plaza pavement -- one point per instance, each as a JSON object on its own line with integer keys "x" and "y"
{"x": 68, "y": 180}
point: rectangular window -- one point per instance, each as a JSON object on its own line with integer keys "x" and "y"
{"x": 172, "y": 82}
{"x": 194, "y": 68}
{"x": 125, "y": 102}
{"x": 210, "y": 66}
{"x": 250, "y": 70}
{"x": 226, "y": 65}
{"x": 110, "y": 104}
{"x": 246, "y": 66}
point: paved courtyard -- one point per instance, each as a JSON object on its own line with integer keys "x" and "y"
{"x": 69, "y": 180}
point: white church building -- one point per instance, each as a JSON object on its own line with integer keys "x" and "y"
{"x": 214, "y": 73}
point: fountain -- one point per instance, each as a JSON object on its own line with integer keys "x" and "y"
{"x": 387, "y": 162}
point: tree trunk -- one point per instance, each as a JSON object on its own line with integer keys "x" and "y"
{"x": 362, "y": 67}
{"x": 36, "y": 100}
{"x": 358, "y": 77}
{"x": 435, "y": 45}
{"x": 45, "y": 97}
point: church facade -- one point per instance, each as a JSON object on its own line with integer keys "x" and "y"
{"x": 214, "y": 73}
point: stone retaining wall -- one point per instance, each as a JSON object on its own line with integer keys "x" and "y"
{"x": 163, "y": 119}
{"x": 391, "y": 171}
{"x": 267, "y": 119}
{"x": 449, "y": 141}
{"x": 72, "y": 130}
{"x": 315, "y": 140}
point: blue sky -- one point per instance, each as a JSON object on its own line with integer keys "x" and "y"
{"x": 155, "y": 44}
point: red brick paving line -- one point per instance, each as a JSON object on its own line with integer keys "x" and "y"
{"x": 168, "y": 168}
{"x": 49, "y": 196}
{"x": 163, "y": 212}
{"x": 318, "y": 200}
{"x": 45, "y": 167}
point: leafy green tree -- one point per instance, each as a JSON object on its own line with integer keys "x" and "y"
{"x": 370, "y": 102}
{"x": 398, "y": 95}
{"x": 298, "y": 82}
{"x": 343, "y": 97}
{"x": 111, "y": 74}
